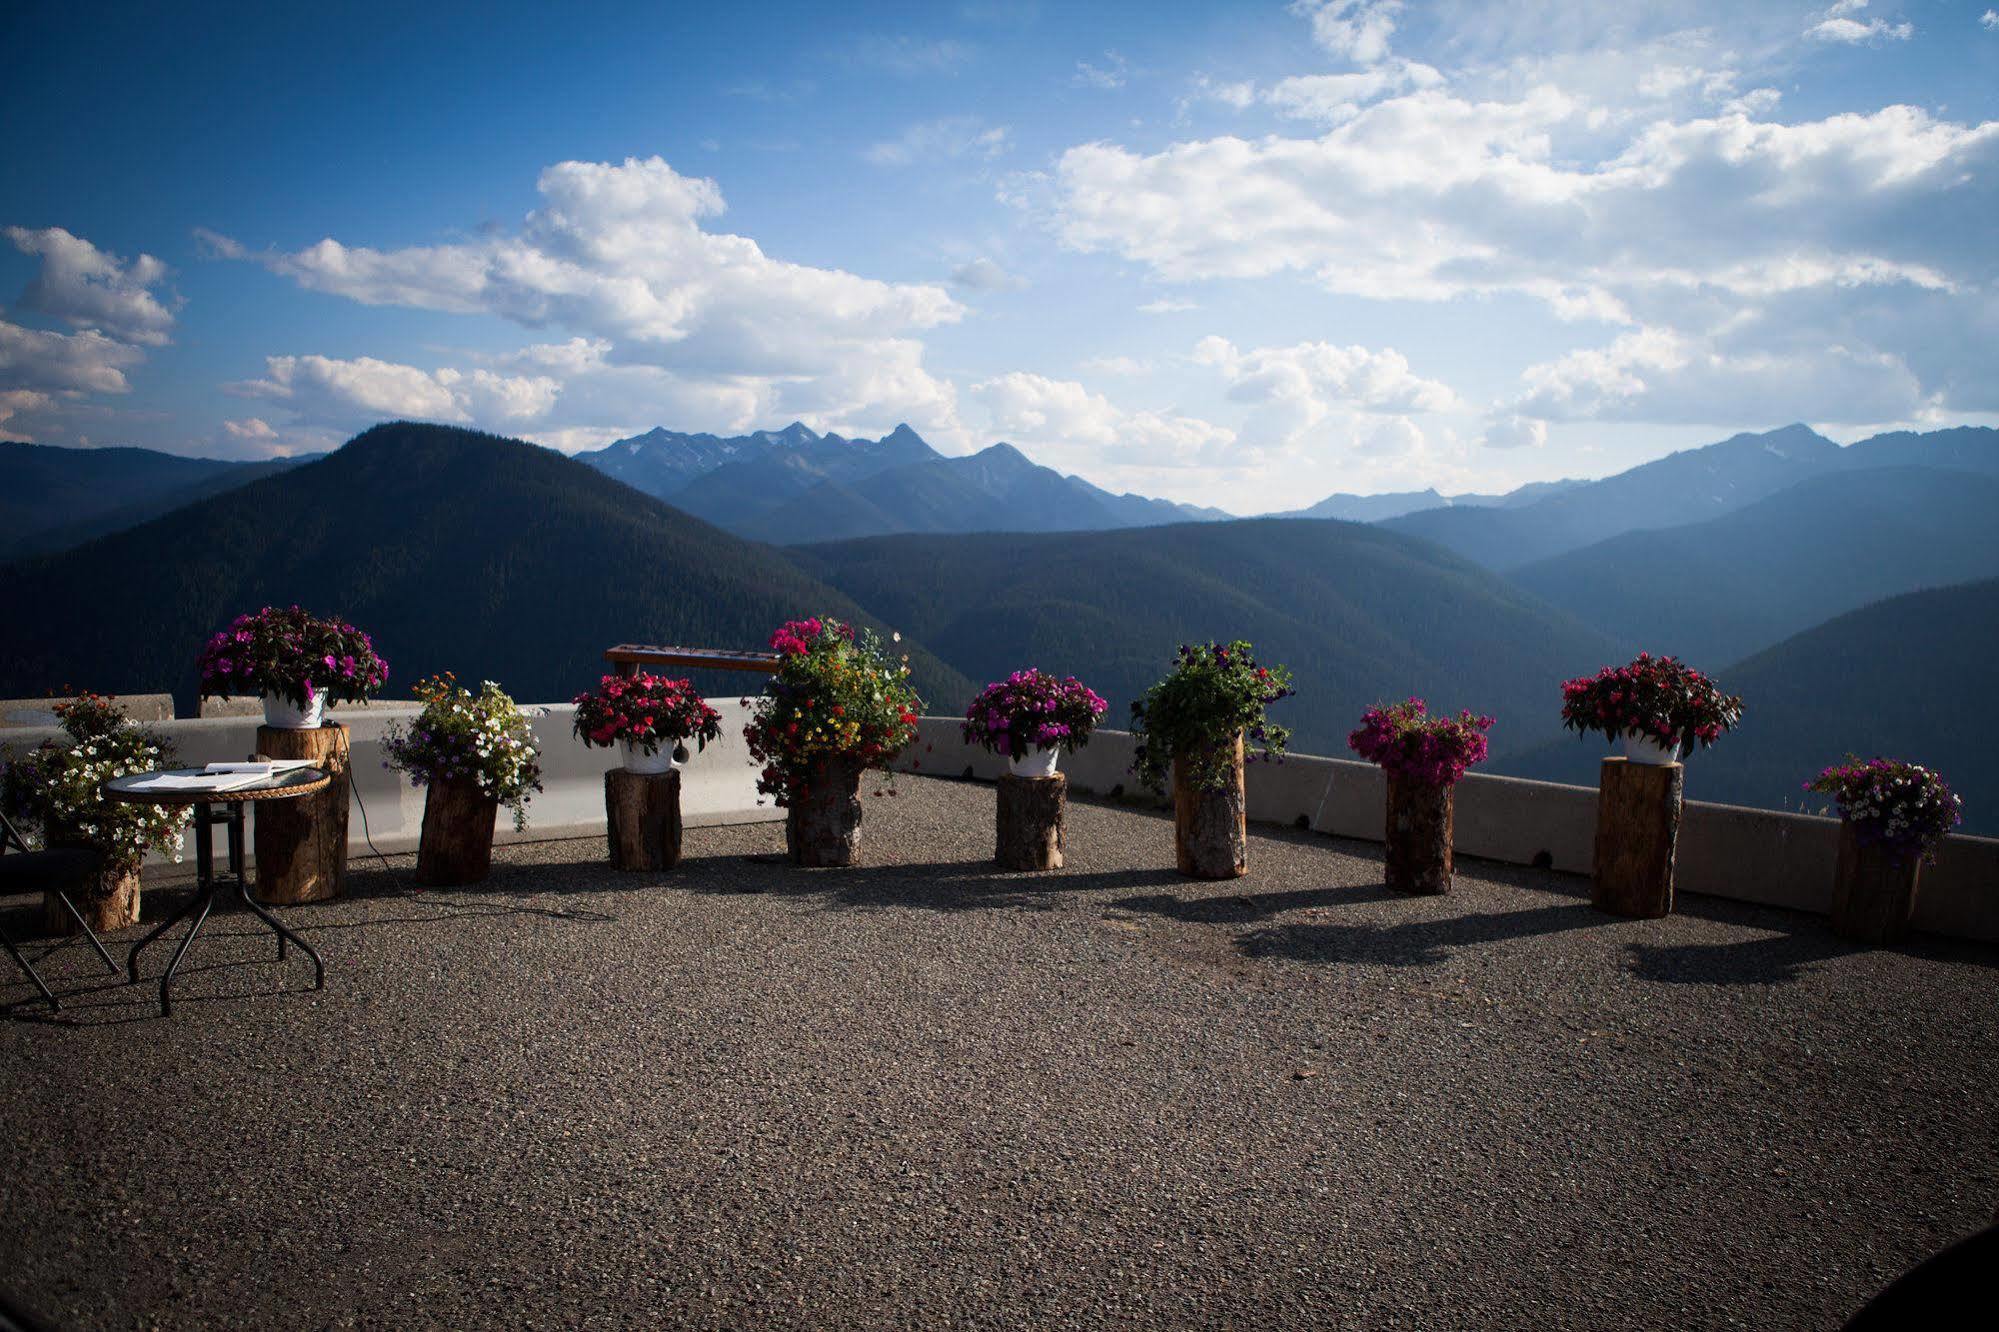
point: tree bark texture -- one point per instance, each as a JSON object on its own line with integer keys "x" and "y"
{"x": 1211, "y": 828}
{"x": 643, "y": 814}
{"x": 301, "y": 845}
{"x": 822, "y": 825}
{"x": 1637, "y": 836}
{"x": 109, "y": 900}
{"x": 457, "y": 843}
{"x": 1873, "y": 890}
{"x": 1419, "y": 836}
{"x": 1027, "y": 834}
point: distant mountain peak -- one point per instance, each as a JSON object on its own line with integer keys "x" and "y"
{"x": 902, "y": 434}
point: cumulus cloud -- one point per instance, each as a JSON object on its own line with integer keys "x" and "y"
{"x": 983, "y": 274}
{"x": 1167, "y": 305}
{"x": 943, "y": 139}
{"x": 43, "y": 361}
{"x": 87, "y": 288}
{"x": 671, "y": 313}
{"x": 17, "y": 404}
{"x": 1292, "y": 392}
{"x": 1062, "y": 416}
{"x": 253, "y": 429}
{"x": 1332, "y": 98}
{"x": 1358, "y": 30}
{"x": 1515, "y": 432}
{"x": 322, "y": 388}
{"x": 1989, "y": 20}
{"x": 1838, "y": 25}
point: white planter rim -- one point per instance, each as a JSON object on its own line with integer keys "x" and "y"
{"x": 1641, "y": 748}
{"x": 1036, "y": 763}
{"x": 637, "y": 760}
{"x": 281, "y": 714}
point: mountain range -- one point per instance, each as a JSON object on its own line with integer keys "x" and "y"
{"x": 1789, "y": 578}
{"x": 793, "y": 486}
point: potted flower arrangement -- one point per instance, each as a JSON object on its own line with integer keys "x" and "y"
{"x": 1423, "y": 757}
{"x": 1659, "y": 705}
{"x": 648, "y": 717}
{"x": 1031, "y": 717}
{"x": 296, "y": 661}
{"x": 475, "y": 752}
{"x": 837, "y": 706}
{"x": 1892, "y": 815}
{"x": 1193, "y": 725}
{"x": 58, "y": 791}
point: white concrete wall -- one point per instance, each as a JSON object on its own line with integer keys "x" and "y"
{"x": 1749, "y": 855}
{"x": 719, "y": 784}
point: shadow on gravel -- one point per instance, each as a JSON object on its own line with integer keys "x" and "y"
{"x": 1775, "y": 959}
{"x": 1416, "y": 943}
{"x": 944, "y": 885}
{"x": 1243, "y": 908}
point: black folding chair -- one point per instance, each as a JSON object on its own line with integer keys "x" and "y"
{"x": 56, "y": 870}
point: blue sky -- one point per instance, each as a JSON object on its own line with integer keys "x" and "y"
{"x": 1244, "y": 255}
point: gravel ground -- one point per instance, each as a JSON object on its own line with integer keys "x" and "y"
{"x": 924, "y": 1094}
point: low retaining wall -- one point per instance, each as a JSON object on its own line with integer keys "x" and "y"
{"x": 719, "y": 784}
{"x": 1748, "y": 855}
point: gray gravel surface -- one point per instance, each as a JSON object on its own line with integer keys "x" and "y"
{"x": 925, "y": 1094}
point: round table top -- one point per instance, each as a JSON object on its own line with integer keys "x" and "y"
{"x": 279, "y": 786}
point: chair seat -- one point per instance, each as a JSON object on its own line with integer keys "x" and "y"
{"x": 63, "y": 867}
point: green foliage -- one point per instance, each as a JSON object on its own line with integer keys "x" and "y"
{"x": 461, "y": 736}
{"x": 1214, "y": 693}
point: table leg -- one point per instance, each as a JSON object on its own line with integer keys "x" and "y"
{"x": 203, "y": 899}
{"x": 167, "y": 977}
{"x": 318, "y": 967}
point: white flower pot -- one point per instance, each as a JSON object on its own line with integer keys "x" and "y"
{"x": 1644, "y": 749}
{"x": 637, "y": 760}
{"x": 1038, "y": 763}
{"x": 281, "y": 714}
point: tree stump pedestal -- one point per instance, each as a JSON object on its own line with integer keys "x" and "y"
{"x": 1637, "y": 836}
{"x": 456, "y": 847}
{"x": 1211, "y": 827}
{"x": 301, "y": 845}
{"x": 1027, "y": 833}
{"x": 822, "y": 824}
{"x": 1418, "y": 852}
{"x": 642, "y": 812}
{"x": 107, "y": 900}
{"x": 1873, "y": 890}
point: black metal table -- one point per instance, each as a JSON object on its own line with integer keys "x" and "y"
{"x": 280, "y": 786}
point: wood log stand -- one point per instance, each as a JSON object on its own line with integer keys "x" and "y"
{"x": 1637, "y": 836}
{"x": 1419, "y": 836}
{"x": 1211, "y": 828}
{"x": 642, "y": 811}
{"x": 1027, "y": 833}
{"x": 1873, "y": 890}
{"x": 822, "y": 824}
{"x": 301, "y": 845}
{"x": 109, "y": 900}
{"x": 456, "y": 847}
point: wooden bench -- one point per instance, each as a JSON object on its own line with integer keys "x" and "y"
{"x": 627, "y": 658}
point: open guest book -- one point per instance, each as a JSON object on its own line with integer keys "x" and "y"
{"x": 220, "y": 776}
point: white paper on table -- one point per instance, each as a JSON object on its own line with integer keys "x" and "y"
{"x": 261, "y": 767}
{"x": 221, "y": 781}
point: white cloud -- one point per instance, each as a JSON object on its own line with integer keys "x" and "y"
{"x": 87, "y": 288}
{"x": 321, "y": 388}
{"x": 1107, "y": 76}
{"x": 1395, "y": 437}
{"x": 1515, "y": 432}
{"x": 1333, "y": 98}
{"x": 1989, "y": 20}
{"x": 1293, "y": 390}
{"x": 944, "y": 139}
{"x": 1121, "y": 366}
{"x": 670, "y": 322}
{"x": 1167, "y": 305}
{"x": 19, "y": 403}
{"x": 983, "y": 274}
{"x": 42, "y": 361}
{"x": 1359, "y": 30}
{"x": 1069, "y": 422}
{"x": 1835, "y": 25}
{"x": 252, "y": 428}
